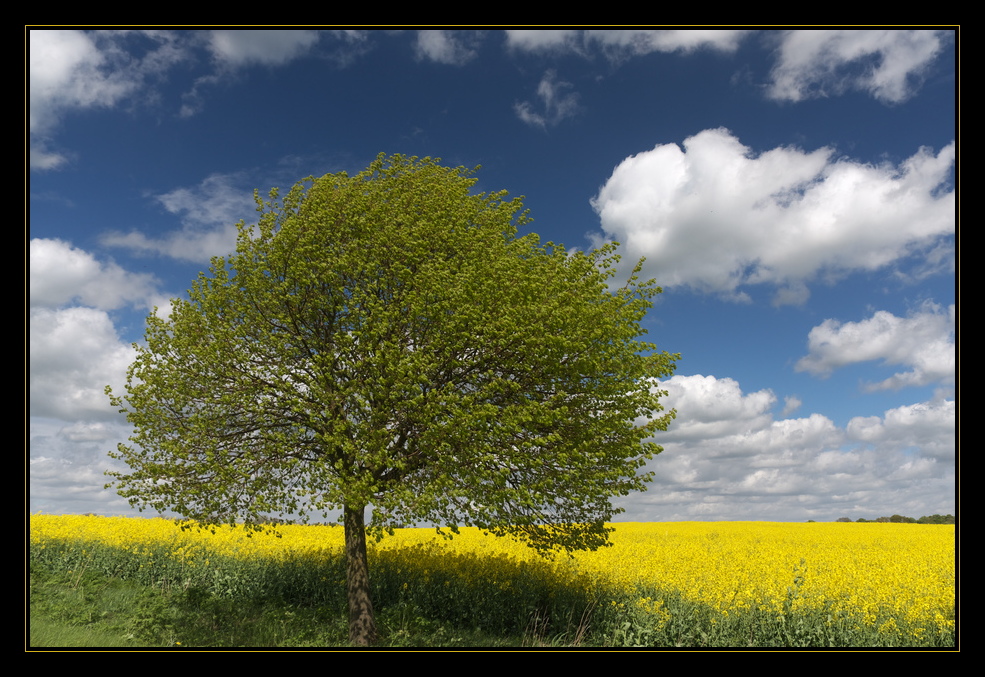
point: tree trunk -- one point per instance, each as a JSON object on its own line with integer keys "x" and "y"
{"x": 362, "y": 623}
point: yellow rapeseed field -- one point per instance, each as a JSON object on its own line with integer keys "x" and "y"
{"x": 906, "y": 569}
{"x": 884, "y": 573}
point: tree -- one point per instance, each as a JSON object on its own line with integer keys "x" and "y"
{"x": 386, "y": 340}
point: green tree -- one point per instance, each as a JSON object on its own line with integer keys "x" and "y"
{"x": 387, "y": 341}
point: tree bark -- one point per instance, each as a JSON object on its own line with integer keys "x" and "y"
{"x": 362, "y": 622}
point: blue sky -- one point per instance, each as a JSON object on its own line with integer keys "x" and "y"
{"x": 792, "y": 191}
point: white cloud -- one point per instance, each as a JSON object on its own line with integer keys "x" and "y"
{"x": 72, "y": 70}
{"x": 791, "y": 403}
{"x": 922, "y": 341}
{"x": 727, "y": 458}
{"x": 348, "y": 45}
{"x": 232, "y": 50}
{"x": 447, "y": 47}
{"x": 646, "y": 41}
{"x": 711, "y": 407}
{"x": 618, "y": 44}
{"x": 83, "y": 431}
{"x": 716, "y": 216}
{"x": 76, "y": 351}
{"x": 75, "y": 354}
{"x": 557, "y": 103}
{"x": 215, "y": 200}
{"x": 533, "y": 40}
{"x": 237, "y": 48}
{"x": 62, "y": 274}
{"x": 886, "y": 64}
{"x": 927, "y": 426}
{"x": 183, "y": 245}
{"x": 67, "y": 465}
{"x": 209, "y": 213}
{"x": 41, "y": 158}
{"x": 68, "y": 70}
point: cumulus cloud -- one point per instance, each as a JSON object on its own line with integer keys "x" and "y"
{"x": 715, "y": 216}
{"x": 455, "y": 48}
{"x": 556, "y": 103}
{"x": 927, "y": 426}
{"x": 617, "y": 44}
{"x": 69, "y": 70}
{"x": 217, "y": 199}
{"x": 72, "y": 70}
{"x": 183, "y": 245}
{"x": 726, "y": 457}
{"x": 550, "y": 39}
{"x": 791, "y": 403}
{"x": 711, "y": 407}
{"x": 75, "y": 353}
{"x": 236, "y": 48}
{"x": 68, "y": 476}
{"x": 233, "y": 50}
{"x": 209, "y": 213}
{"x": 646, "y": 41}
{"x": 922, "y": 341}
{"x": 75, "y": 350}
{"x": 887, "y": 64}
{"x": 62, "y": 274}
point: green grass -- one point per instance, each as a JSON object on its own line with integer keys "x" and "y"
{"x": 102, "y": 601}
{"x": 46, "y": 633}
{"x": 94, "y": 610}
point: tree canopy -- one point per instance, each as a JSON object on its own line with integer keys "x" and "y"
{"x": 388, "y": 340}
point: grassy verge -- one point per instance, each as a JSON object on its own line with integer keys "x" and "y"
{"x": 92, "y": 609}
{"x": 95, "y": 610}
{"x": 164, "y": 595}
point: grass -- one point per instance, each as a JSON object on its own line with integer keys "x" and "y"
{"x": 93, "y": 610}
{"x": 99, "y": 611}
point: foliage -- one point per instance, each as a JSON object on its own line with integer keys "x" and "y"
{"x": 901, "y": 519}
{"x": 387, "y": 340}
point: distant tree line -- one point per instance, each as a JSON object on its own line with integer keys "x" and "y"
{"x": 900, "y": 519}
